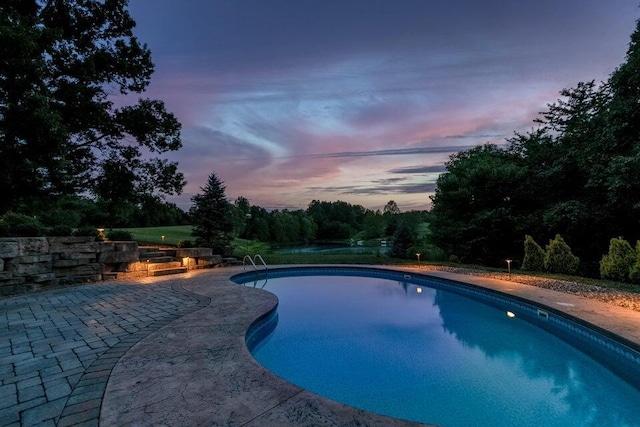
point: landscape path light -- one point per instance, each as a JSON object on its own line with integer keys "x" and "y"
{"x": 509, "y": 267}
{"x": 418, "y": 255}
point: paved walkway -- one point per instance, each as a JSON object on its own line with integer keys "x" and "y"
{"x": 76, "y": 356}
{"x": 57, "y": 348}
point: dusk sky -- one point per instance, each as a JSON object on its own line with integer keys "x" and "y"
{"x": 363, "y": 101}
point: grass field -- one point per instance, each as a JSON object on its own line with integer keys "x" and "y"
{"x": 153, "y": 235}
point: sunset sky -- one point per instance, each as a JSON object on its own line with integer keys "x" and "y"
{"x": 362, "y": 100}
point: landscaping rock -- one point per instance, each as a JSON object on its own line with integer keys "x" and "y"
{"x": 33, "y": 245}
{"x": 193, "y": 252}
{"x": 67, "y": 240}
{"x": 92, "y": 247}
{"x": 17, "y": 268}
{"x": 9, "y": 248}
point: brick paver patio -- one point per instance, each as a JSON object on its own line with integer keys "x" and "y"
{"x": 57, "y": 348}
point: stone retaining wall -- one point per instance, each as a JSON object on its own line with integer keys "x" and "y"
{"x": 27, "y": 263}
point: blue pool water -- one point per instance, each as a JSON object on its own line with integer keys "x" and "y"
{"x": 418, "y": 349}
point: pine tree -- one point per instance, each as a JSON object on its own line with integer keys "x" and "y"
{"x": 403, "y": 239}
{"x": 634, "y": 273}
{"x": 617, "y": 264}
{"x": 211, "y": 214}
{"x": 533, "y": 255}
{"x": 559, "y": 258}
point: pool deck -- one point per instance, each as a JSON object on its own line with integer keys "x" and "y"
{"x": 171, "y": 351}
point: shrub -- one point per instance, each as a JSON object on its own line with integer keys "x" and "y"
{"x": 427, "y": 253}
{"x": 533, "y": 255}
{"x": 185, "y": 244}
{"x": 454, "y": 259}
{"x": 59, "y": 230}
{"x": 19, "y": 225}
{"x": 88, "y": 231}
{"x": 616, "y": 265}
{"x": 634, "y": 273}
{"x": 57, "y": 216}
{"x": 558, "y": 257}
{"x": 119, "y": 235}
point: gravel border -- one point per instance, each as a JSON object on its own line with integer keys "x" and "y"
{"x": 612, "y": 296}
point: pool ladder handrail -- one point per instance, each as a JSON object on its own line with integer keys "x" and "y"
{"x": 256, "y": 257}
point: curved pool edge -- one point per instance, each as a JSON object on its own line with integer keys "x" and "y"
{"x": 617, "y": 323}
{"x": 198, "y": 370}
{"x": 619, "y": 354}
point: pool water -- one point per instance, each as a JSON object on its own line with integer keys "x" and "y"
{"x": 426, "y": 354}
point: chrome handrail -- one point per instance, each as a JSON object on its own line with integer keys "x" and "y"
{"x": 250, "y": 260}
{"x": 258, "y": 256}
{"x": 253, "y": 261}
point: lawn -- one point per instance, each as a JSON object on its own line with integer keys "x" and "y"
{"x": 153, "y": 235}
{"x": 174, "y": 234}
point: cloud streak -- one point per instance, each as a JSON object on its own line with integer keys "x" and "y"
{"x": 291, "y": 101}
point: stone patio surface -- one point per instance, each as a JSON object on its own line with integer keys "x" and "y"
{"x": 171, "y": 351}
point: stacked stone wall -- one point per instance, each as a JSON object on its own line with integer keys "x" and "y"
{"x": 28, "y": 263}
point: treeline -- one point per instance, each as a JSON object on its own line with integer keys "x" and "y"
{"x": 74, "y": 212}
{"x": 321, "y": 221}
{"x": 216, "y": 221}
{"x": 576, "y": 174}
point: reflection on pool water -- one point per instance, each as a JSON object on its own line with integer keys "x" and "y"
{"x": 423, "y": 353}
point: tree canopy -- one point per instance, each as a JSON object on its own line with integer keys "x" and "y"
{"x": 576, "y": 173}
{"x": 67, "y": 71}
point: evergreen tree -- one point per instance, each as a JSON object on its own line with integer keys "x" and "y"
{"x": 617, "y": 264}
{"x": 559, "y": 258}
{"x": 533, "y": 255}
{"x": 403, "y": 239}
{"x": 634, "y": 273}
{"x": 211, "y": 216}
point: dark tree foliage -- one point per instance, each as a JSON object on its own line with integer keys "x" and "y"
{"x": 477, "y": 206}
{"x": 257, "y": 226}
{"x": 152, "y": 211}
{"x": 291, "y": 227}
{"x": 336, "y": 220}
{"x": 403, "y": 240}
{"x": 391, "y": 208}
{"x": 211, "y": 217}
{"x": 62, "y": 64}
{"x": 240, "y": 215}
{"x": 576, "y": 174}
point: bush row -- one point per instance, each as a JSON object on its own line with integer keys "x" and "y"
{"x": 555, "y": 258}
{"x": 20, "y": 225}
{"x": 622, "y": 263}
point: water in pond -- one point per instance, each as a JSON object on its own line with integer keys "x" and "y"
{"x": 433, "y": 356}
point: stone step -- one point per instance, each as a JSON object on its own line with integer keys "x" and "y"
{"x": 149, "y": 255}
{"x": 163, "y": 265}
{"x": 148, "y": 249}
{"x": 167, "y": 271}
{"x": 111, "y": 275}
{"x": 160, "y": 259}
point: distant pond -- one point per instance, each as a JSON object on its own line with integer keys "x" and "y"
{"x": 331, "y": 249}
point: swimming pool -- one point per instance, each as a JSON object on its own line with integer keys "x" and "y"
{"x": 441, "y": 352}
